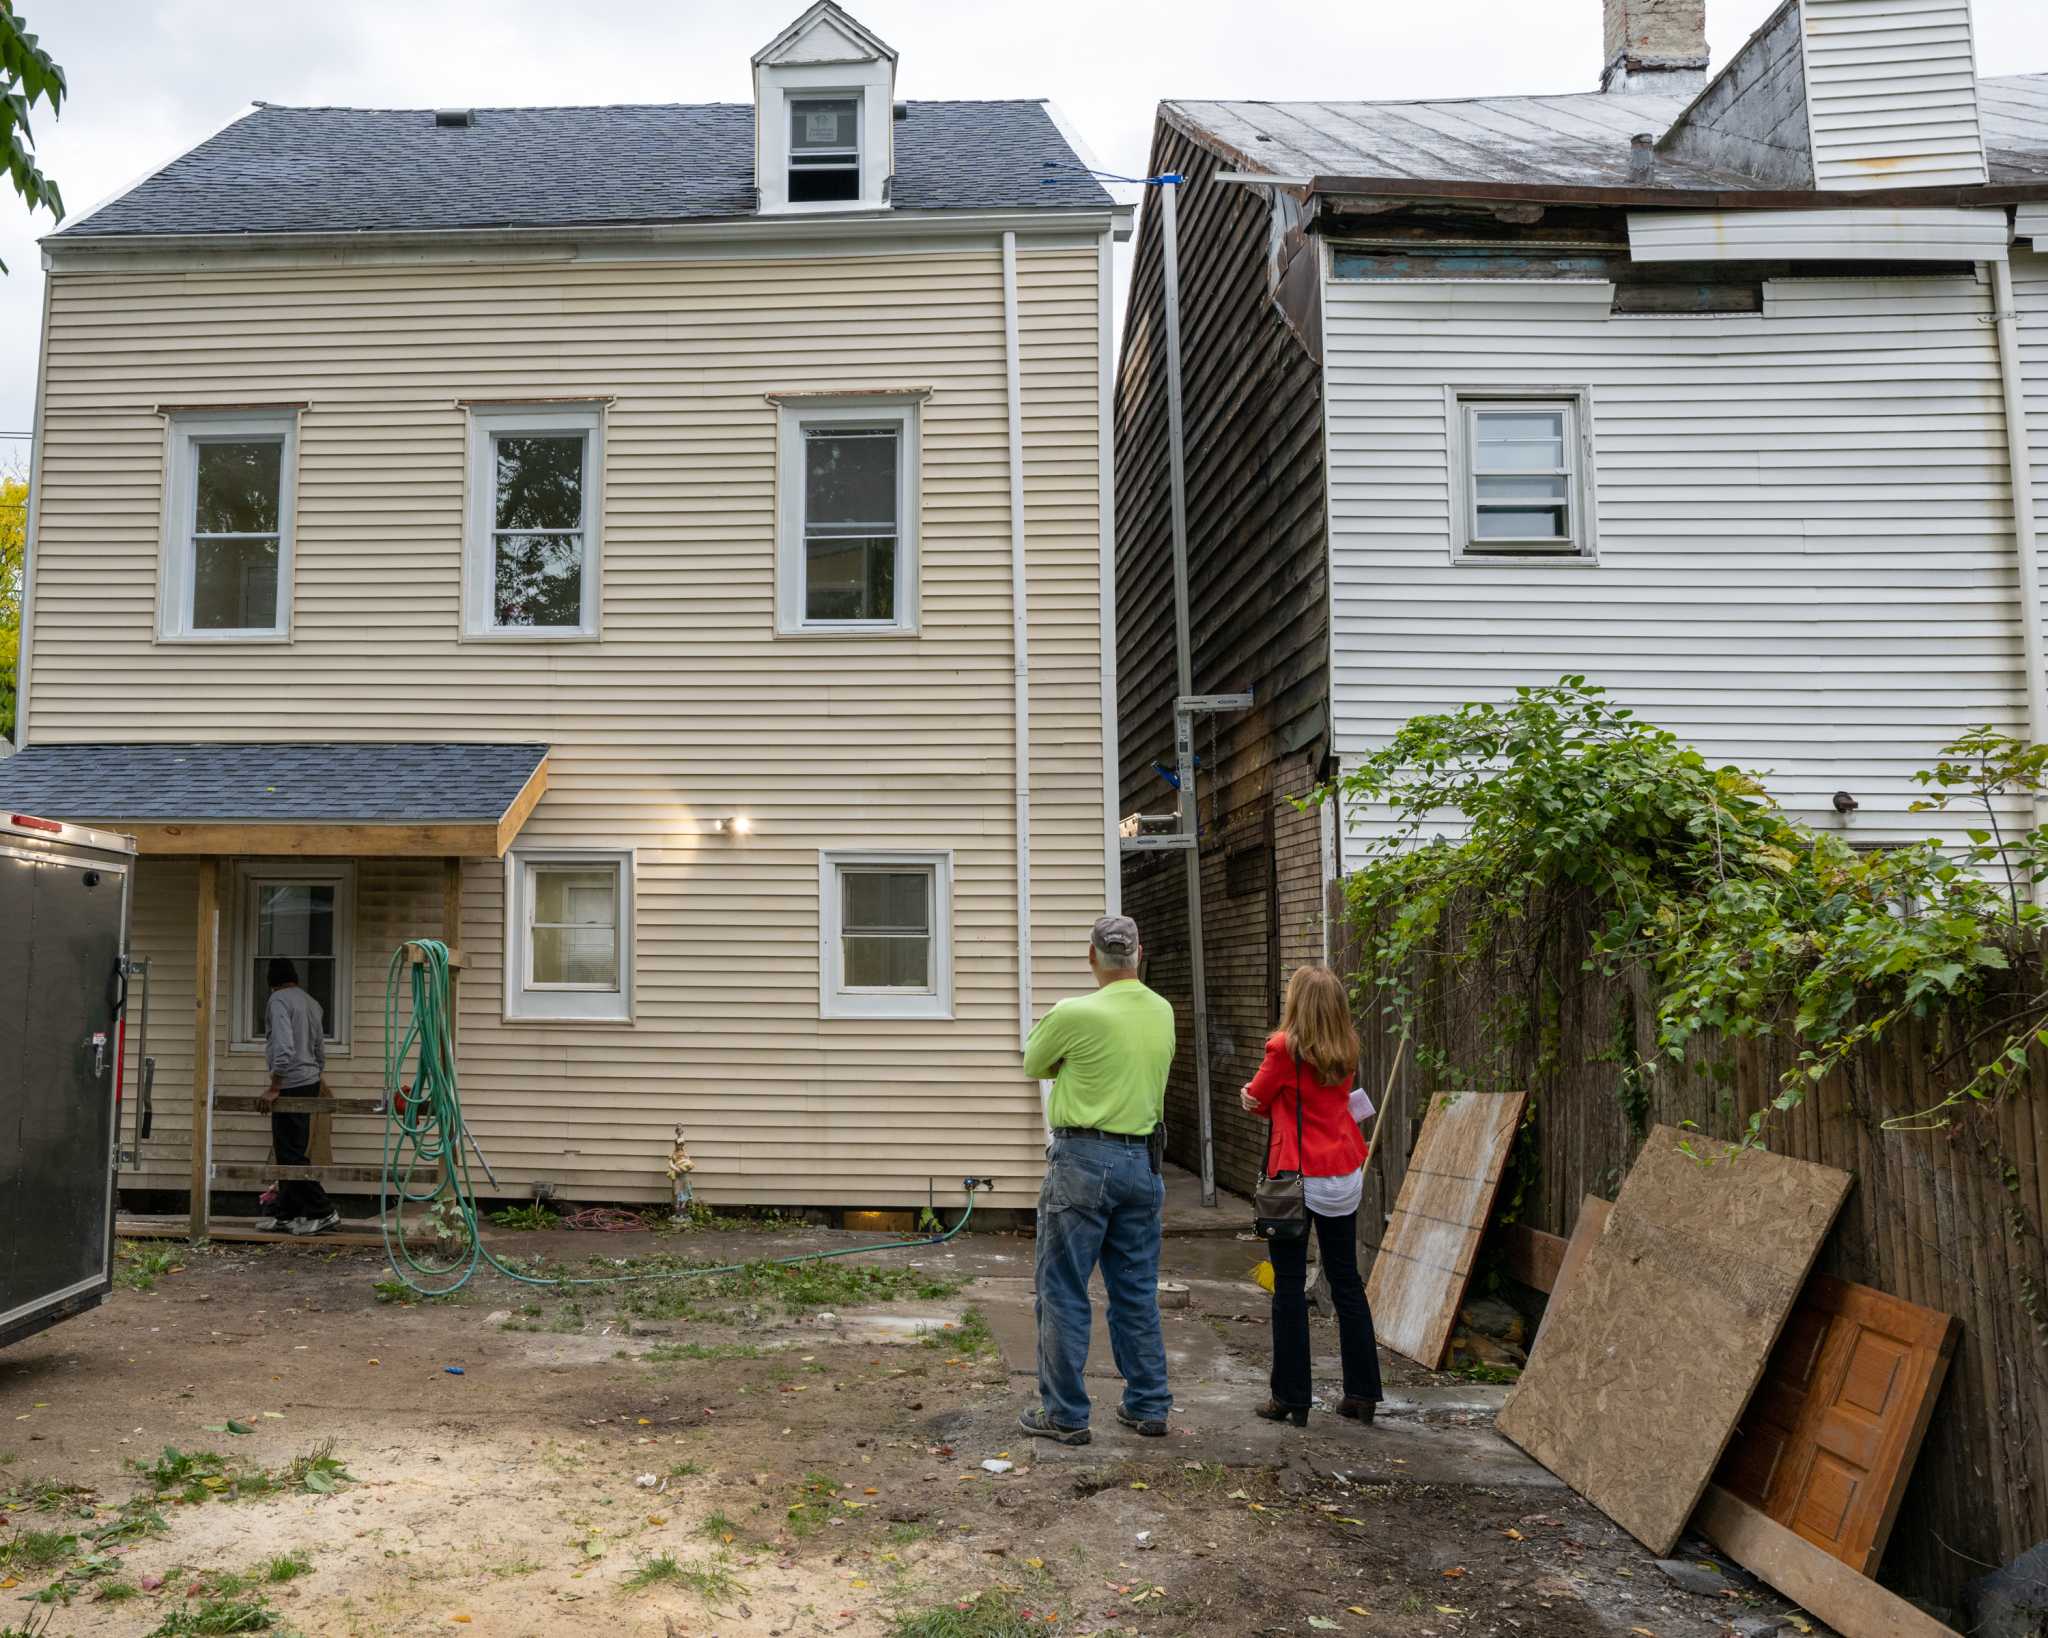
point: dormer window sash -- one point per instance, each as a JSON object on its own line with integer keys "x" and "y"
{"x": 825, "y": 147}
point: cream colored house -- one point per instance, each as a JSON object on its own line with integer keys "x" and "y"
{"x": 659, "y": 550}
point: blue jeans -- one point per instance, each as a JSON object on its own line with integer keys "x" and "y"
{"x": 1101, "y": 1203}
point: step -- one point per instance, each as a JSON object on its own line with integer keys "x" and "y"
{"x": 299, "y": 1106}
{"x": 321, "y": 1174}
{"x": 354, "y": 1231}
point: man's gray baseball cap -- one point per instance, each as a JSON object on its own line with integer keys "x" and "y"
{"x": 1116, "y": 936}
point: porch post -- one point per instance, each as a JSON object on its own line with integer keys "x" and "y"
{"x": 451, "y": 935}
{"x": 207, "y": 960}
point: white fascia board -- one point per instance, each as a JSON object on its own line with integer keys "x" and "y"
{"x": 1831, "y": 235}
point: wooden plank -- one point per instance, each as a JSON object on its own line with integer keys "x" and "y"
{"x": 206, "y": 961}
{"x": 515, "y": 816}
{"x": 236, "y": 1228}
{"x": 1832, "y": 1432}
{"x": 318, "y": 841}
{"x": 1814, "y": 1579}
{"x": 1425, "y": 1261}
{"x": 250, "y": 1104}
{"x": 1653, "y": 1349}
{"x": 1592, "y": 1222}
{"x": 1533, "y": 1257}
{"x": 263, "y": 1172}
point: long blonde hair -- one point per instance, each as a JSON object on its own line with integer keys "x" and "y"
{"x": 1316, "y": 1018}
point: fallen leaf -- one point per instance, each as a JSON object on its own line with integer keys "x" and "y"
{"x": 1642, "y": 1632}
{"x": 1322, "y": 1624}
{"x": 1454, "y": 1572}
{"x": 1035, "y": 1563}
{"x": 1356, "y": 1609}
{"x": 657, "y": 1518}
{"x": 462, "y": 1618}
{"x": 239, "y": 1427}
{"x": 9, "y": 1581}
{"x": 858, "y": 1582}
{"x": 1514, "y": 1534}
{"x": 1139, "y": 1485}
{"x": 1448, "y": 1609}
{"x": 273, "y": 1416}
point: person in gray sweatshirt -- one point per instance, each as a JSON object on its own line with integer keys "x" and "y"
{"x": 297, "y": 1050}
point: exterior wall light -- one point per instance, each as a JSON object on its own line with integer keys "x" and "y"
{"x": 738, "y": 825}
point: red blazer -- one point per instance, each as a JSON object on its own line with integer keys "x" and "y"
{"x": 1331, "y": 1142}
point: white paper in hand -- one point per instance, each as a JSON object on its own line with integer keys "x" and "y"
{"x": 1361, "y": 1105}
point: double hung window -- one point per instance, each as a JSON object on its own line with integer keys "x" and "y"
{"x": 849, "y": 518}
{"x": 824, "y": 148}
{"x": 569, "y": 934}
{"x": 1522, "y": 477}
{"x": 305, "y": 913}
{"x": 887, "y": 942}
{"x": 227, "y": 554}
{"x": 532, "y": 551}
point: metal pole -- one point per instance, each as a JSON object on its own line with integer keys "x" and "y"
{"x": 1183, "y": 649}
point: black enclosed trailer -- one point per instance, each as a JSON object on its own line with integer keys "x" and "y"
{"x": 64, "y": 894}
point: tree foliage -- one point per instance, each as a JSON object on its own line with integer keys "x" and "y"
{"x": 27, "y": 76}
{"x": 1747, "y": 922}
{"x": 13, "y": 537}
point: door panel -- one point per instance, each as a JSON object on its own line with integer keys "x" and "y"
{"x": 1828, "y": 1441}
{"x": 67, "y": 1114}
{"x": 17, "y": 897}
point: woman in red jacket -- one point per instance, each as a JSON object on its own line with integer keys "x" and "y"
{"x": 1313, "y": 1058}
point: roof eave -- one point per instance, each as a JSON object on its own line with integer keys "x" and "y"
{"x": 1983, "y": 195}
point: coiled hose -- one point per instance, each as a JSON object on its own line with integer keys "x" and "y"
{"x": 426, "y": 1139}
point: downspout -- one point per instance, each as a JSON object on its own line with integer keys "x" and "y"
{"x": 1105, "y": 437}
{"x": 1020, "y": 641}
{"x": 31, "y": 514}
{"x": 2020, "y": 456}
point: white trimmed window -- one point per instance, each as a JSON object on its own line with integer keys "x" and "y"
{"x": 1523, "y": 467}
{"x": 531, "y": 547}
{"x": 885, "y": 919}
{"x": 226, "y": 574}
{"x": 824, "y": 147}
{"x": 569, "y": 933}
{"x": 847, "y": 524}
{"x": 305, "y": 913}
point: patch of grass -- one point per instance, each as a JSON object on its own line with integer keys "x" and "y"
{"x": 1480, "y": 1372}
{"x": 662, "y": 1352}
{"x": 214, "y": 1617}
{"x": 37, "y": 1549}
{"x": 760, "y": 1289}
{"x": 905, "y": 1535}
{"x": 115, "y": 1591}
{"x": 318, "y": 1472}
{"x": 970, "y": 1337}
{"x": 512, "y": 1567}
{"x": 227, "y": 1583}
{"x": 138, "y": 1266}
{"x": 287, "y": 1566}
{"x": 685, "y": 1470}
{"x": 719, "y": 1528}
{"x": 713, "y": 1583}
{"x": 535, "y": 1216}
{"x": 136, "y": 1521}
{"x": 48, "y": 1496}
{"x": 985, "y": 1615}
{"x": 9, "y": 1457}
{"x": 654, "y": 1572}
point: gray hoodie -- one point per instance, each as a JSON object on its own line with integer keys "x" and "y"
{"x": 297, "y": 1054}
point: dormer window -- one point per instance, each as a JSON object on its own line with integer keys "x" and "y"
{"x": 824, "y": 149}
{"x": 824, "y": 105}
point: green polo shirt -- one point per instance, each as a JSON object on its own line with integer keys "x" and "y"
{"x": 1109, "y": 1053}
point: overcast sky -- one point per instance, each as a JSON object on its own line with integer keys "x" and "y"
{"x": 150, "y": 78}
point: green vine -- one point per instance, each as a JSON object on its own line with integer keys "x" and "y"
{"x": 1747, "y": 923}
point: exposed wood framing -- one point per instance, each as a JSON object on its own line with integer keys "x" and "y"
{"x": 206, "y": 963}
{"x": 327, "y": 841}
{"x": 509, "y": 826}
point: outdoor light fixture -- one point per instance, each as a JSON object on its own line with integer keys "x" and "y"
{"x": 738, "y": 825}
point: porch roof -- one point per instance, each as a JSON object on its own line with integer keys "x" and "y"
{"x": 315, "y": 799}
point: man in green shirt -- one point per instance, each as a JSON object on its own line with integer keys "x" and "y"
{"x": 1108, "y": 1055}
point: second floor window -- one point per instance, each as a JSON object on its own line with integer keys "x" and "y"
{"x": 532, "y": 550}
{"x": 226, "y": 570}
{"x": 1522, "y": 475}
{"x": 848, "y": 551}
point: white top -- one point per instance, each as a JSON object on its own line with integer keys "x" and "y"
{"x": 1339, "y": 1196}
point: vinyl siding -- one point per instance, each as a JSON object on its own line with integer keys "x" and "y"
{"x": 687, "y": 707}
{"x": 1891, "y": 90}
{"x": 1805, "y": 553}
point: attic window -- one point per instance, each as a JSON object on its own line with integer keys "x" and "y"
{"x": 453, "y": 118}
{"x": 824, "y": 149}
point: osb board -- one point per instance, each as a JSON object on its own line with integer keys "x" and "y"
{"x": 1592, "y": 1220}
{"x": 1830, "y": 1436}
{"x": 1425, "y": 1259}
{"x": 1652, "y": 1350}
{"x": 1815, "y": 1580}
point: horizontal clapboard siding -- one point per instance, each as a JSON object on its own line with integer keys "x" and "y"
{"x": 688, "y": 707}
{"x": 1805, "y": 552}
{"x": 1891, "y": 91}
{"x": 1818, "y": 235}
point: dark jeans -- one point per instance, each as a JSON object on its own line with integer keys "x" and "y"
{"x": 1338, "y": 1237}
{"x": 1101, "y": 1203}
{"x": 291, "y": 1135}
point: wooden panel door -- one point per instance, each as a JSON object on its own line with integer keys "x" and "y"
{"x": 1828, "y": 1441}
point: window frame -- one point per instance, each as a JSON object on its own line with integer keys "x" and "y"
{"x": 250, "y": 875}
{"x": 792, "y": 95}
{"x": 525, "y": 1002}
{"x": 1462, "y": 406}
{"x": 184, "y": 432}
{"x": 794, "y": 418}
{"x": 487, "y": 423}
{"x": 835, "y": 1000}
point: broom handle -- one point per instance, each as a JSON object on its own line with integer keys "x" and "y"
{"x": 1372, "y": 1143}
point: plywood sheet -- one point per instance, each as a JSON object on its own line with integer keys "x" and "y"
{"x": 1652, "y": 1350}
{"x": 1425, "y": 1260}
{"x": 1830, "y": 1436}
{"x": 1592, "y": 1222}
{"x": 1814, "y": 1579}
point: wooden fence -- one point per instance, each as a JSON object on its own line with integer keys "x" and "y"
{"x": 1951, "y": 1219}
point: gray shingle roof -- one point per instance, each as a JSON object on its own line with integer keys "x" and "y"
{"x": 296, "y": 783}
{"x": 1577, "y": 140}
{"x": 354, "y": 170}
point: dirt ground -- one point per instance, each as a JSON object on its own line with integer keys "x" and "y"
{"x": 797, "y": 1453}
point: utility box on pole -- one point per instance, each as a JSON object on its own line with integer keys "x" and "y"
{"x": 64, "y": 894}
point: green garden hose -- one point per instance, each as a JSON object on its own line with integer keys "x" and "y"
{"x": 426, "y": 1139}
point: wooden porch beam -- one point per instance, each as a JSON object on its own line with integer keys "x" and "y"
{"x": 206, "y": 963}
{"x": 317, "y": 841}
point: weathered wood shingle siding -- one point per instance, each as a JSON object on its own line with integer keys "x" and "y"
{"x": 688, "y": 705}
{"x": 1257, "y": 594}
{"x": 1805, "y": 564}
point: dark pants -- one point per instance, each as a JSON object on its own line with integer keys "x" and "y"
{"x": 1338, "y": 1237}
{"x": 291, "y": 1135}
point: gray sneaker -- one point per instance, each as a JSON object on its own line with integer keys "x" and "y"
{"x": 1041, "y": 1426}
{"x": 313, "y": 1225}
{"x": 269, "y": 1225}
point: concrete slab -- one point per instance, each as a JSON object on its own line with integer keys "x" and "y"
{"x": 1185, "y": 1213}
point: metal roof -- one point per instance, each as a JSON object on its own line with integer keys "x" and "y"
{"x": 296, "y": 783}
{"x": 1578, "y": 140}
{"x": 354, "y": 170}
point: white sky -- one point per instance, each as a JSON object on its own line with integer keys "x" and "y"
{"x": 150, "y": 78}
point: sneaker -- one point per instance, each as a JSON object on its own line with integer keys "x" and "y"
{"x": 1148, "y": 1427}
{"x": 268, "y": 1225}
{"x": 314, "y": 1225}
{"x": 1041, "y": 1426}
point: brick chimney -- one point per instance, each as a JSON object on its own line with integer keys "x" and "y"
{"x": 1655, "y": 47}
